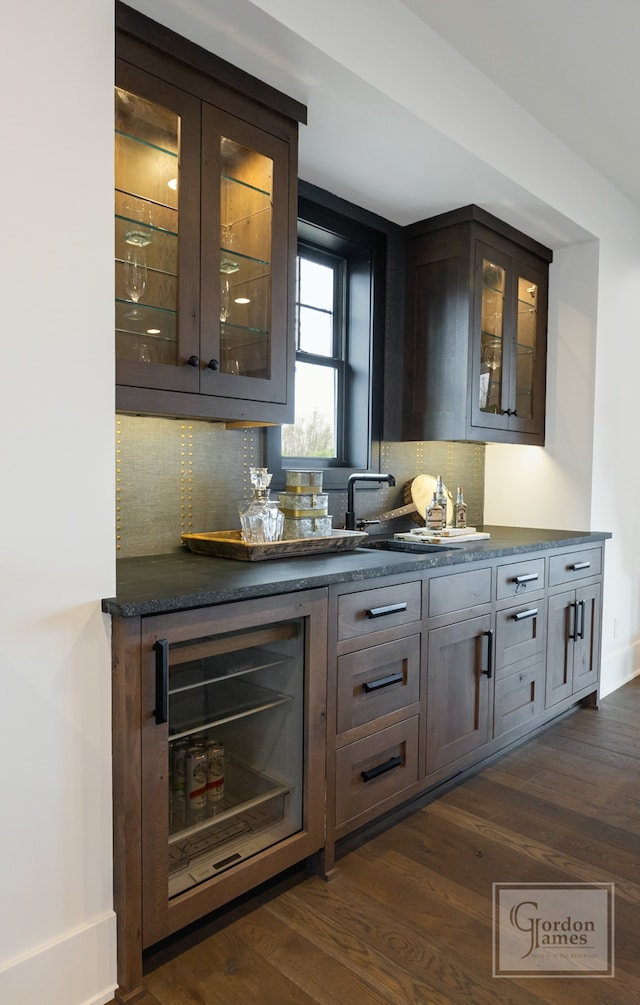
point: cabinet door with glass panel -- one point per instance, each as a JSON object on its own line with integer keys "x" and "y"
{"x": 232, "y": 752}
{"x": 157, "y": 243}
{"x": 510, "y": 311}
{"x": 205, "y": 218}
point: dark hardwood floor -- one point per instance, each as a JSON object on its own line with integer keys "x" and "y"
{"x": 408, "y": 921}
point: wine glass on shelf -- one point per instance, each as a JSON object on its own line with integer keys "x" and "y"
{"x": 135, "y": 278}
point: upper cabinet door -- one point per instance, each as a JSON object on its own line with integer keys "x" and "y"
{"x": 508, "y": 343}
{"x": 244, "y": 295}
{"x": 157, "y": 240}
{"x": 205, "y": 233}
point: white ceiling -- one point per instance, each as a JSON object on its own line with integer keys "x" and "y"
{"x": 569, "y": 63}
{"x": 573, "y": 64}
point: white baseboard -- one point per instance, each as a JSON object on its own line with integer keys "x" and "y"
{"x": 77, "y": 969}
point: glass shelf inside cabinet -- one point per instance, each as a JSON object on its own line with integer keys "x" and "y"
{"x": 249, "y": 817}
{"x": 223, "y": 702}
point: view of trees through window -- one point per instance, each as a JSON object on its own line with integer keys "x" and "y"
{"x": 315, "y": 432}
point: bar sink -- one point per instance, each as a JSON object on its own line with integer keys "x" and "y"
{"x": 414, "y": 547}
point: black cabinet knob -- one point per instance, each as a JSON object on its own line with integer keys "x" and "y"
{"x": 193, "y": 361}
{"x": 213, "y": 364}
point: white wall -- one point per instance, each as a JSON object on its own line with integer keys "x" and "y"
{"x": 57, "y": 932}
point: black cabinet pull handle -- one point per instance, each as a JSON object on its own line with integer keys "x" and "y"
{"x": 580, "y": 634}
{"x": 511, "y": 411}
{"x": 489, "y": 671}
{"x": 381, "y": 769}
{"x": 574, "y": 636}
{"x": 162, "y": 681}
{"x": 194, "y": 361}
{"x": 213, "y": 364}
{"x": 379, "y": 612}
{"x": 521, "y": 615}
{"x": 375, "y": 685}
{"x": 529, "y": 578}
{"x": 580, "y": 565}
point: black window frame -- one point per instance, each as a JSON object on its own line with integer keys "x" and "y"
{"x": 324, "y": 225}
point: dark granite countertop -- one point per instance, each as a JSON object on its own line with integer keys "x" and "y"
{"x": 158, "y": 584}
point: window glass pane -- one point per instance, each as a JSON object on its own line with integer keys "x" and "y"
{"x": 314, "y": 432}
{"x": 316, "y": 331}
{"x": 316, "y": 284}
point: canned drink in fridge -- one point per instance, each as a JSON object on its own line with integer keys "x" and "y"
{"x": 178, "y": 759}
{"x": 196, "y": 777}
{"x": 215, "y": 770}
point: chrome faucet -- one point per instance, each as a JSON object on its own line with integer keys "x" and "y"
{"x": 361, "y": 476}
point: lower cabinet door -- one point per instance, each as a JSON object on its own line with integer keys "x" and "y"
{"x": 459, "y": 690}
{"x": 560, "y": 631}
{"x": 375, "y": 769}
{"x": 586, "y": 657}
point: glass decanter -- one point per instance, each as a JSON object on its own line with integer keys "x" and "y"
{"x": 260, "y": 518}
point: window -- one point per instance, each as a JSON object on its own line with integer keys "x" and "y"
{"x": 339, "y": 305}
{"x": 318, "y": 431}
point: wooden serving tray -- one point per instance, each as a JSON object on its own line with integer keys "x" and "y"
{"x": 229, "y": 544}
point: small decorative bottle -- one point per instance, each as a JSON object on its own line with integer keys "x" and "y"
{"x": 461, "y": 509}
{"x": 434, "y": 514}
{"x": 441, "y": 499}
{"x": 260, "y": 518}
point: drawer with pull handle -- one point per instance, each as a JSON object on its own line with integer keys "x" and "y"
{"x": 520, "y": 632}
{"x": 375, "y": 769}
{"x": 519, "y": 578}
{"x": 368, "y": 611}
{"x": 375, "y": 681}
{"x": 574, "y": 565}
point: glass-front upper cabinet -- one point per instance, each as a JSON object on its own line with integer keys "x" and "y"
{"x": 205, "y": 237}
{"x": 475, "y": 330}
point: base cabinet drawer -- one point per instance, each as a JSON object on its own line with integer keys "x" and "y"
{"x": 459, "y": 591}
{"x": 521, "y": 577}
{"x": 574, "y": 565}
{"x": 518, "y": 698}
{"x": 520, "y": 632}
{"x": 376, "y": 768}
{"x": 375, "y": 681}
{"x": 370, "y": 611}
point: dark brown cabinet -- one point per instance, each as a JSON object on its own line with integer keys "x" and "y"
{"x": 248, "y": 678}
{"x": 334, "y": 706}
{"x": 205, "y": 238}
{"x": 475, "y": 335}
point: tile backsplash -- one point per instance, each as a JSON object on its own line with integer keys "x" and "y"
{"x": 176, "y": 476}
